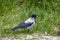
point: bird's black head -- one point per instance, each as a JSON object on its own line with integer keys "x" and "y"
{"x": 33, "y": 15}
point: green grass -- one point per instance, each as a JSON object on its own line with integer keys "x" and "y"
{"x": 13, "y": 14}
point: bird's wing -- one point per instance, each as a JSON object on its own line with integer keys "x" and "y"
{"x": 23, "y": 24}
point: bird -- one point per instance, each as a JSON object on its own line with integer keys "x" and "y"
{"x": 29, "y": 23}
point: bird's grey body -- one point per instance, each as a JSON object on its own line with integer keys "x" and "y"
{"x": 30, "y": 20}
{"x": 26, "y": 24}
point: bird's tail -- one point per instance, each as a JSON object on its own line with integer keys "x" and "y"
{"x": 15, "y": 28}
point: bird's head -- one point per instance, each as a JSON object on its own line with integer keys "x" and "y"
{"x": 33, "y": 15}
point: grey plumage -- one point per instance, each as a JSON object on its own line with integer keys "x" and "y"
{"x": 26, "y": 24}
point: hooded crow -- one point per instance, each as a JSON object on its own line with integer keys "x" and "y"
{"x": 26, "y": 24}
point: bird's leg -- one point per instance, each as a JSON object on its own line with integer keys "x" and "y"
{"x": 27, "y": 30}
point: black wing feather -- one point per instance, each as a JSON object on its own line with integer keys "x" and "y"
{"x": 22, "y": 25}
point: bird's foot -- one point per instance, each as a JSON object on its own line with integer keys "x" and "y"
{"x": 28, "y": 31}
